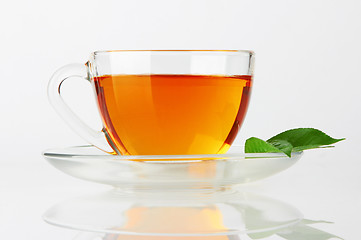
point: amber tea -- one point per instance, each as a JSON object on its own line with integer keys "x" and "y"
{"x": 172, "y": 114}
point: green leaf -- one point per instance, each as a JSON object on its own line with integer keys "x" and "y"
{"x": 256, "y": 145}
{"x": 305, "y": 138}
{"x": 293, "y": 140}
{"x": 282, "y": 145}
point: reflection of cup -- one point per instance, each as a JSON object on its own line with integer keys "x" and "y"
{"x": 168, "y": 220}
{"x": 174, "y": 215}
{"x": 133, "y": 237}
{"x": 162, "y": 102}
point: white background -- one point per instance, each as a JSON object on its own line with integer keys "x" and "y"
{"x": 307, "y": 74}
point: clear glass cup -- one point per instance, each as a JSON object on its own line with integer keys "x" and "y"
{"x": 162, "y": 102}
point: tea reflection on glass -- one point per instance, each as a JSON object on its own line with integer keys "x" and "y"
{"x": 167, "y": 220}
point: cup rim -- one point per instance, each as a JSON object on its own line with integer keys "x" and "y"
{"x": 176, "y": 50}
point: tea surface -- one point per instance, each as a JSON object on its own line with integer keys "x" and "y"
{"x": 172, "y": 114}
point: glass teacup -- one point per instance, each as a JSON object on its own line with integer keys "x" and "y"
{"x": 161, "y": 102}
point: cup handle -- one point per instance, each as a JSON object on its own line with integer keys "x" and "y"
{"x": 97, "y": 138}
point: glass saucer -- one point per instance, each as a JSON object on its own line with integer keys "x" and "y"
{"x": 168, "y": 172}
{"x": 144, "y": 215}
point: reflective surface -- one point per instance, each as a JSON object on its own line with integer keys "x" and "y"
{"x": 189, "y": 205}
{"x": 173, "y": 214}
{"x": 302, "y": 231}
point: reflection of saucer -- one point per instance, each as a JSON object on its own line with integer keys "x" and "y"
{"x": 169, "y": 171}
{"x": 169, "y": 214}
{"x": 102, "y": 236}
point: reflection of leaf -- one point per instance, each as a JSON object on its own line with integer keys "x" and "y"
{"x": 302, "y": 232}
{"x": 308, "y": 221}
{"x": 262, "y": 235}
{"x": 254, "y": 218}
{"x": 298, "y": 232}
